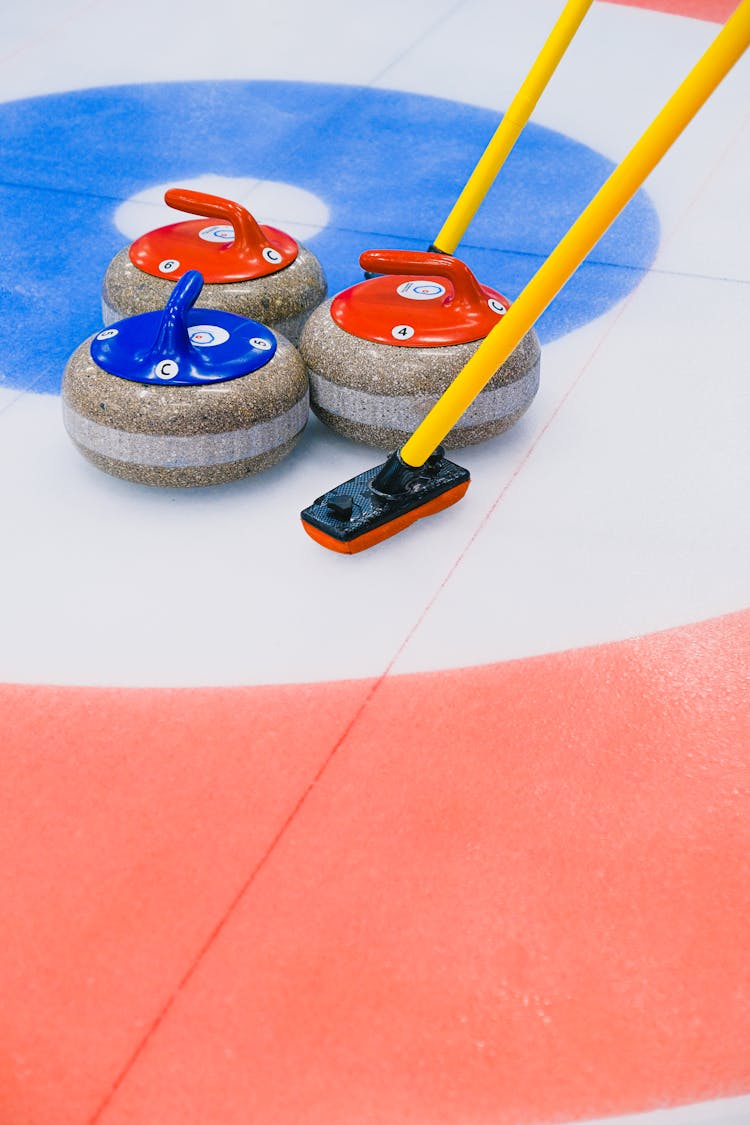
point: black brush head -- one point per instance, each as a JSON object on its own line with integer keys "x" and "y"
{"x": 383, "y": 501}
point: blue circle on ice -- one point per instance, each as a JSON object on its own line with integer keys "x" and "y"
{"x": 389, "y": 166}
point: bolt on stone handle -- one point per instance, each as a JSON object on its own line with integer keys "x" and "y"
{"x": 467, "y": 292}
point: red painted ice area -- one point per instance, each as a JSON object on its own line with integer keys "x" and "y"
{"x": 513, "y": 893}
{"x": 717, "y": 11}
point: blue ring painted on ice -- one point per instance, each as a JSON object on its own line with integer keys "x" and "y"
{"x": 389, "y": 166}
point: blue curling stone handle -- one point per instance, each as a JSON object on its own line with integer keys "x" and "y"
{"x": 180, "y": 346}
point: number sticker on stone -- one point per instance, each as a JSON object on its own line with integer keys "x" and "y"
{"x": 166, "y": 369}
{"x": 271, "y": 255}
{"x": 497, "y": 307}
{"x": 169, "y": 265}
{"x": 402, "y": 332}
{"x": 107, "y": 334}
{"x": 261, "y": 344}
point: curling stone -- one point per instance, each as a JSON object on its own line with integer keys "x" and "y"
{"x": 251, "y": 270}
{"x": 185, "y": 396}
{"x": 381, "y": 353}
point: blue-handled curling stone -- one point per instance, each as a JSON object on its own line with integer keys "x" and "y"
{"x": 185, "y": 396}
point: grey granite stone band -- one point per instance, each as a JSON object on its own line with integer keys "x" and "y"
{"x": 181, "y": 451}
{"x": 405, "y": 412}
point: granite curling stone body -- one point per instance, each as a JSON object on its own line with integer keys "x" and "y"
{"x": 251, "y": 270}
{"x": 381, "y": 353}
{"x": 186, "y": 396}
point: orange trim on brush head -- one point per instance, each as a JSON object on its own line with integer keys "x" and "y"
{"x": 386, "y": 530}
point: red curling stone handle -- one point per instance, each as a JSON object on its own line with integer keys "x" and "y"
{"x": 467, "y": 291}
{"x": 249, "y": 239}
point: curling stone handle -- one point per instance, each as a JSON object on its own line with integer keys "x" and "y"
{"x": 248, "y": 237}
{"x": 173, "y": 338}
{"x": 418, "y": 263}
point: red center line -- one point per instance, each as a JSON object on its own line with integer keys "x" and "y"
{"x": 372, "y": 694}
{"x": 229, "y": 911}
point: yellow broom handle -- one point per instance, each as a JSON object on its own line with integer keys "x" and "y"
{"x": 603, "y": 209}
{"x": 508, "y": 131}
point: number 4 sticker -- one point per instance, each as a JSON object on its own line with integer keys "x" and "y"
{"x": 402, "y": 332}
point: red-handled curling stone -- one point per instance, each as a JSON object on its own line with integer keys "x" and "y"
{"x": 250, "y": 270}
{"x": 185, "y": 396}
{"x": 380, "y": 354}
